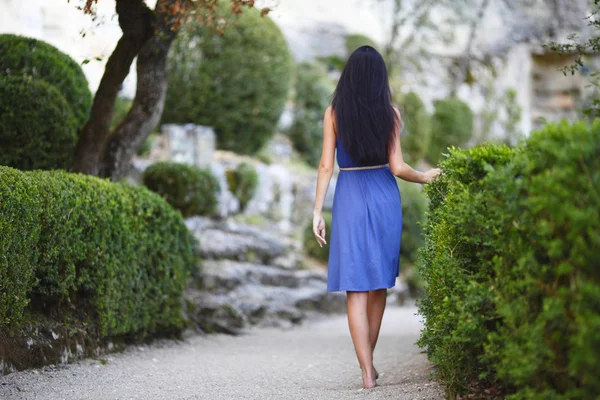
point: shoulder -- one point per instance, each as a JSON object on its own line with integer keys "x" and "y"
{"x": 397, "y": 112}
{"x": 329, "y": 112}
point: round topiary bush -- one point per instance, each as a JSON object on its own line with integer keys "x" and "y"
{"x": 416, "y": 132}
{"x": 236, "y": 82}
{"x": 243, "y": 182}
{"x": 311, "y": 246}
{"x": 27, "y": 57}
{"x": 313, "y": 96}
{"x": 452, "y": 125}
{"x": 37, "y": 127}
{"x": 189, "y": 189}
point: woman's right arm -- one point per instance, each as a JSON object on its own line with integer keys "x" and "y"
{"x": 401, "y": 169}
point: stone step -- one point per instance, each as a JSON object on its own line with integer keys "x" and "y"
{"x": 256, "y": 304}
{"x": 225, "y": 275}
{"x": 227, "y": 240}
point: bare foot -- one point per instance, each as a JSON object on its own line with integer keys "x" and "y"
{"x": 368, "y": 379}
{"x": 375, "y": 373}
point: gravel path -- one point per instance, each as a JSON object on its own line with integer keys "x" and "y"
{"x": 315, "y": 361}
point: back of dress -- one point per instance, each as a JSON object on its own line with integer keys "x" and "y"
{"x": 366, "y": 227}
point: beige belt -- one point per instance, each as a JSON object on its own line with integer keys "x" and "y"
{"x": 366, "y": 167}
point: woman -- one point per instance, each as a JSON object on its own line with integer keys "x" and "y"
{"x": 364, "y": 128}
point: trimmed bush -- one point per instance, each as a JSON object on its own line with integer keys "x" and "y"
{"x": 313, "y": 96}
{"x": 456, "y": 306}
{"x": 311, "y": 246}
{"x": 26, "y": 57}
{"x": 191, "y": 190}
{"x": 117, "y": 254}
{"x": 236, "y": 82}
{"x": 416, "y": 132}
{"x": 37, "y": 128}
{"x": 452, "y": 125}
{"x": 243, "y": 182}
{"x": 19, "y": 236}
{"x": 513, "y": 288}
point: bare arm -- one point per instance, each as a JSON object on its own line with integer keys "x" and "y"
{"x": 401, "y": 169}
{"x": 324, "y": 175}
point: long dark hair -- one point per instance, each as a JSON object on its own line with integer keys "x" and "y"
{"x": 364, "y": 115}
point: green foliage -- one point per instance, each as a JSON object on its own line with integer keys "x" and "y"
{"x": 510, "y": 263}
{"x": 354, "y": 41}
{"x": 414, "y": 204}
{"x": 456, "y": 306}
{"x": 37, "y": 127}
{"x": 19, "y": 236}
{"x": 27, "y": 57}
{"x": 236, "y": 82}
{"x": 452, "y": 125}
{"x": 117, "y": 254}
{"x": 311, "y": 246}
{"x": 416, "y": 133}
{"x": 333, "y": 62}
{"x": 313, "y": 96}
{"x": 581, "y": 50}
{"x": 191, "y": 190}
{"x": 243, "y": 182}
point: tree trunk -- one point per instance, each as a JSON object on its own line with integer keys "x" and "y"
{"x": 136, "y": 22}
{"x": 151, "y": 91}
{"x": 146, "y": 110}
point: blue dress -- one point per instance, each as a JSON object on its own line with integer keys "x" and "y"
{"x": 366, "y": 228}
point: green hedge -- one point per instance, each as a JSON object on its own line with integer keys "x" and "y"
{"x": 37, "y": 127}
{"x": 452, "y": 125}
{"x": 311, "y": 246}
{"x": 27, "y": 57}
{"x": 313, "y": 96}
{"x": 416, "y": 132}
{"x": 117, "y": 254}
{"x": 191, "y": 190}
{"x": 510, "y": 262}
{"x": 237, "y": 82}
{"x": 19, "y": 237}
{"x": 243, "y": 182}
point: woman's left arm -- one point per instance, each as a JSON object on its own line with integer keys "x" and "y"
{"x": 324, "y": 175}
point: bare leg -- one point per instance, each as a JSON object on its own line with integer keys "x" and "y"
{"x": 375, "y": 308}
{"x": 359, "y": 330}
